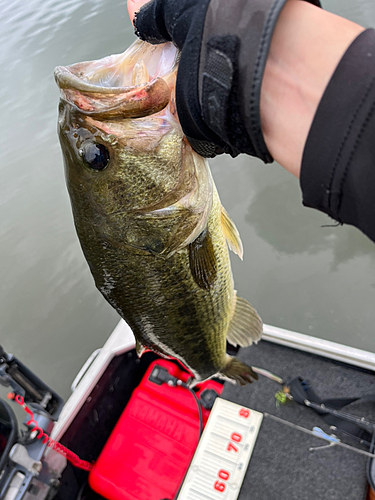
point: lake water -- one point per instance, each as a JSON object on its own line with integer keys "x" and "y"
{"x": 299, "y": 275}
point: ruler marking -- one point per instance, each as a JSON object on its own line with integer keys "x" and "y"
{"x": 222, "y": 458}
{"x": 223, "y": 453}
{"x": 225, "y": 438}
{"x": 212, "y": 454}
{"x": 192, "y": 490}
{"x": 210, "y": 465}
{"x": 221, "y": 417}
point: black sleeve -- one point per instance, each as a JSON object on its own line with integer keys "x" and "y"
{"x": 338, "y": 165}
{"x": 224, "y": 47}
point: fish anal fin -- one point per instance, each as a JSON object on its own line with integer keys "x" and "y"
{"x": 236, "y": 371}
{"x": 231, "y": 234}
{"x": 203, "y": 265}
{"x": 245, "y": 326}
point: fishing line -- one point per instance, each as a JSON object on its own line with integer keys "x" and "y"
{"x": 318, "y": 433}
{"x": 301, "y": 392}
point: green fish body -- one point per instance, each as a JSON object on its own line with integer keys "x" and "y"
{"x": 147, "y": 212}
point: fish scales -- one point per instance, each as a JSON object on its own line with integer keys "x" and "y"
{"x": 148, "y": 215}
{"x": 174, "y": 309}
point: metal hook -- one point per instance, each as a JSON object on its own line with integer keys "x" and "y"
{"x": 329, "y": 437}
{"x": 322, "y": 447}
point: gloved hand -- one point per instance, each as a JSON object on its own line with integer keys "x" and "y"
{"x": 224, "y": 47}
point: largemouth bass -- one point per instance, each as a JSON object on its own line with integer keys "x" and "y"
{"x": 147, "y": 212}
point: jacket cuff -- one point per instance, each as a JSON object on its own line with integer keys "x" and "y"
{"x": 337, "y": 172}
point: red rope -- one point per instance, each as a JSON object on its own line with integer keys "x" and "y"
{"x": 51, "y": 443}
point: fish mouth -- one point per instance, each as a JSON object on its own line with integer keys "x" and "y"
{"x": 134, "y": 84}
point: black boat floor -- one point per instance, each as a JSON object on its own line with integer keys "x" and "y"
{"x": 282, "y": 467}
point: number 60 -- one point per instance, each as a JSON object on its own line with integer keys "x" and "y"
{"x": 224, "y": 475}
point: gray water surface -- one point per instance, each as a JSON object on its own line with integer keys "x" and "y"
{"x": 299, "y": 275}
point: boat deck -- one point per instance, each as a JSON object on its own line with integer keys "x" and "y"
{"x": 282, "y": 467}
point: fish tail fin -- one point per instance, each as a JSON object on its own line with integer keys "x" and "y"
{"x": 245, "y": 326}
{"x": 238, "y": 372}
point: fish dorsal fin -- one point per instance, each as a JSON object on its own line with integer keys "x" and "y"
{"x": 202, "y": 261}
{"x": 245, "y": 326}
{"x": 231, "y": 233}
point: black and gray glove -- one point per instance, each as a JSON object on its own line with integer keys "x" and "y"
{"x": 224, "y": 47}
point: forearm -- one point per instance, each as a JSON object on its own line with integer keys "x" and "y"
{"x": 252, "y": 72}
{"x": 306, "y": 48}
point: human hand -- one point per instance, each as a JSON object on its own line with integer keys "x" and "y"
{"x": 134, "y": 6}
{"x": 224, "y": 48}
{"x": 190, "y": 117}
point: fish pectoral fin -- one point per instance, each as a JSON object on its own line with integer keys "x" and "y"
{"x": 238, "y": 372}
{"x": 245, "y": 326}
{"x": 231, "y": 233}
{"x": 203, "y": 265}
{"x": 139, "y": 348}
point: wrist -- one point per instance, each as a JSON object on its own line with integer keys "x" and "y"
{"x": 306, "y": 48}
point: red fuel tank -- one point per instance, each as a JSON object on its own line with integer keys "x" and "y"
{"x": 150, "y": 448}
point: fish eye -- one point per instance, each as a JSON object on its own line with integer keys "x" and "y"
{"x": 95, "y": 155}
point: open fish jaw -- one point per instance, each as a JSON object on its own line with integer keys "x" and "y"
{"x": 137, "y": 83}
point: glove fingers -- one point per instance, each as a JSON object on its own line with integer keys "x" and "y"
{"x": 149, "y": 23}
{"x": 162, "y": 21}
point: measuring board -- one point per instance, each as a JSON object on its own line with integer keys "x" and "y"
{"x": 223, "y": 453}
